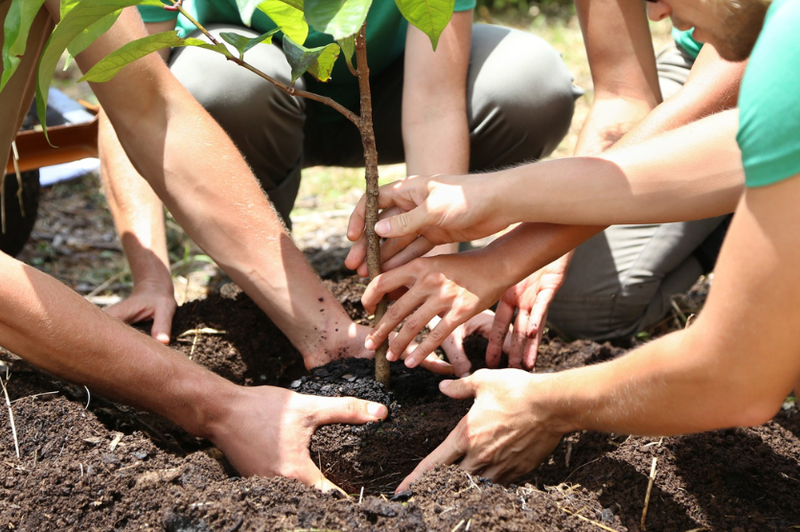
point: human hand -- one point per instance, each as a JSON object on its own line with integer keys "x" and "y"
{"x": 453, "y": 287}
{"x": 453, "y": 345}
{"x": 531, "y": 298}
{"x": 443, "y": 209}
{"x": 503, "y": 436}
{"x": 266, "y": 430}
{"x": 349, "y": 341}
{"x": 150, "y": 300}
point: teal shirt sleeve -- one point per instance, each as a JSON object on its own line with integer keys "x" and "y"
{"x": 769, "y": 100}
{"x": 464, "y": 5}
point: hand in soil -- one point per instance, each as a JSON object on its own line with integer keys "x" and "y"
{"x": 352, "y": 344}
{"x": 268, "y": 430}
{"x": 149, "y": 301}
{"x": 454, "y": 287}
{"x": 529, "y": 300}
{"x": 502, "y": 437}
{"x": 453, "y": 346}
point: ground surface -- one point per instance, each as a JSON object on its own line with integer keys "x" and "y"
{"x": 108, "y": 467}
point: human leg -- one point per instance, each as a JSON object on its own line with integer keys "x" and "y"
{"x": 622, "y": 280}
{"x": 265, "y": 123}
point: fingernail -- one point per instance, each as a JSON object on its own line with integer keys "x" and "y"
{"x": 390, "y": 356}
{"x": 464, "y": 375}
{"x": 382, "y": 227}
{"x": 377, "y": 410}
{"x": 445, "y": 384}
{"x": 410, "y": 362}
{"x": 370, "y": 344}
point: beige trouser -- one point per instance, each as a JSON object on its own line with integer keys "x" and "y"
{"x": 18, "y": 93}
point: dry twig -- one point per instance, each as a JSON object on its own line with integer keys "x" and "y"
{"x": 10, "y": 414}
{"x": 647, "y": 495}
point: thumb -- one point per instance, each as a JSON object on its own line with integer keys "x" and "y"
{"x": 458, "y": 389}
{"x": 347, "y": 410}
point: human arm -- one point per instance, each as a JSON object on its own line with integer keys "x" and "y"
{"x": 262, "y": 430}
{"x": 654, "y": 181}
{"x": 198, "y": 173}
{"x": 139, "y": 219}
{"x": 717, "y": 373}
{"x": 624, "y": 77}
{"x": 434, "y": 107}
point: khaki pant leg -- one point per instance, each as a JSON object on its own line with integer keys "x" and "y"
{"x": 18, "y": 93}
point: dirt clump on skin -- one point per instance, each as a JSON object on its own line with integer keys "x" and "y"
{"x": 86, "y": 463}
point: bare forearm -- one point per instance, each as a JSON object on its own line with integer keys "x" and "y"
{"x": 656, "y": 181}
{"x": 138, "y": 213}
{"x": 55, "y": 329}
{"x": 712, "y": 87}
{"x": 434, "y": 118}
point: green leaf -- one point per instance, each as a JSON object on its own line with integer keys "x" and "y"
{"x": 77, "y": 19}
{"x": 430, "y": 16}
{"x": 338, "y": 18}
{"x": 316, "y": 61}
{"x": 89, "y": 35}
{"x": 243, "y": 43}
{"x": 16, "y": 29}
{"x": 323, "y": 66}
{"x": 288, "y": 17}
{"x": 110, "y": 65}
{"x": 348, "y": 46}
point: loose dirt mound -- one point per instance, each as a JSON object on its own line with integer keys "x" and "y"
{"x": 109, "y": 467}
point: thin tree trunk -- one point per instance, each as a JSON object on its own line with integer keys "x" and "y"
{"x": 371, "y": 173}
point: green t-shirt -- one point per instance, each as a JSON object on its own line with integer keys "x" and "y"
{"x": 386, "y": 38}
{"x": 685, "y": 39}
{"x": 769, "y": 99}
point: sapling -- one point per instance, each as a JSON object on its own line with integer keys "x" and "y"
{"x": 82, "y": 21}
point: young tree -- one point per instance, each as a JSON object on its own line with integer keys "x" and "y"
{"x": 82, "y": 21}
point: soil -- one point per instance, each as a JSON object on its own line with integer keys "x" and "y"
{"x": 89, "y": 464}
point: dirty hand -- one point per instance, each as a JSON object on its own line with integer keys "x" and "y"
{"x": 503, "y": 436}
{"x": 453, "y": 287}
{"x": 453, "y": 345}
{"x": 266, "y": 430}
{"x": 531, "y": 298}
{"x": 443, "y": 209}
{"x": 349, "y": 342}
{"x": 149, "y": 301}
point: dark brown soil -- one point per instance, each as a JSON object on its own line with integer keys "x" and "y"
{"x": 109, "y": 467}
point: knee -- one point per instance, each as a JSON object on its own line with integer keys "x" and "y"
{"x": 520, "y": 86}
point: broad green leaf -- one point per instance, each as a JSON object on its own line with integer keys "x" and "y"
{"x": 287, "y": 17}
{"x": 89, "y": 35}
{"x": 338, "y": 18}
{"x": 243, "y": 43}
{"x": 348, "y": 46}
{"x": 316, "y": 61}
{"x": 110, "y": 65}
{"x": 80, "y": 17}
{"x": 430, "y": 16}
{"x": 16, "y": 29}
{"x": 323, "y": 66}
